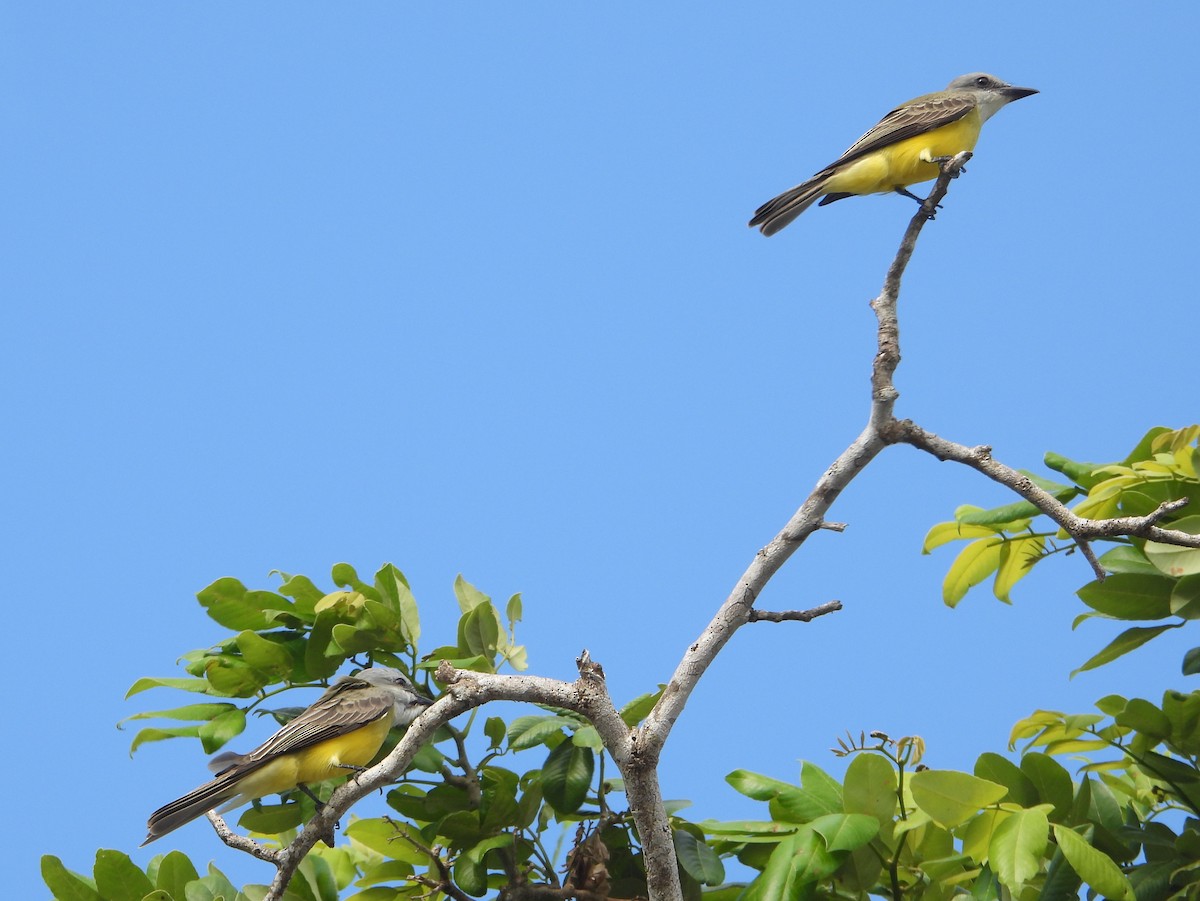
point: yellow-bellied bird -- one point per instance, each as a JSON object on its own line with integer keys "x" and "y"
{"x": 903, "y": 149}
{"x": 340, "y": 732}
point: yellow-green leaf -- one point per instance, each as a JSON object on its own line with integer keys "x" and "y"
{"x": 950, "y": 797}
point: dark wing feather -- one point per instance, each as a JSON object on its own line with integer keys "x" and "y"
{"x": 914, "y": 118}
{"x": 329, "y": 716}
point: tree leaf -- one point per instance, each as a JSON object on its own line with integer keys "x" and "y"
{"x": 528, "y": 731}
{"x": 950, "y": 797}
{"x": 119, "y": 879}
{"x": 955, "y": 530}
{"x": 753, "y": 785}
{"x": 1173, "y": 560}
{"x": 697, "y": 858}
{"x": 1003, "y": 771}
{"x": 1129, "y": 596}
{"x": 1016, "y": 848}
{"x": 1129, "y": 640}
{"x": 1053, "y": 783}
{"x": 870, "y": 788}
{"x": 469, "y": 597}
{"x": 845, "y": 831}
{"x": 1017, "y": 557}
{"x": 1093, "y": 867}
{"x": 67, "y": 886}
{"x": 639, "y": 708}
{"x": 175, "y": 871}
{"x": 974, "y": 563}
{"x": 567, "y": 775}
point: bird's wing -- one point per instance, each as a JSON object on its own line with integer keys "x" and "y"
{"x": 331, "y": 715}
{"x": 914, "y": 118}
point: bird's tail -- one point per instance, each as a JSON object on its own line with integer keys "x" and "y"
{"x": 199, "y": 801}
{"x": 779, "y": 211}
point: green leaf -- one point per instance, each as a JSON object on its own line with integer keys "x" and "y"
{"x": 846, "y": 831}
{"x": 233, "y": 606}
{"x": 1126, "y": 558}
{"x": 119, "y": 879}
{"x": 528, "y": 731}
{"x": 386, "y": 838}
{"x": 272, "y": 819}
{"x": 780, "y": 879}
{"x": 1173, "y": 560}
{"x": 566, "y": 776}
{"x": 1094, "y": 868}
{"x": 758, "y": 786}
{"x": 67, "y": 886}
{"x": 495, "y": 730}
{"x": 393, "y": 588}
{"x": 588, "y": 737}
{"x": 870, "y": 788}
{"x": 1183, "y": 712}
{"x": 145, "y": 736}
{"x": 513, "y": 610}
{"x": 175, "y": 871}
{"x": 1053, "y": 783}
{"x": 1185, "y": 597}
{"x": 1017, "y": 557}
{"x": 950, "y": 797}
{"x": 217, "y": 731}
{"x": 974, "y": 563}
{"x": 345, "y": 575}
{"x": 1082, "y": 474}
{"x": 197, "y": 685}
{"x": 469, "y": 597}
{"x": 945, "y": 532}
{"x": 813, "y": 862}
{"x": 1016, "y": 849}
{"x": 265, "y": 654}
{"x": 1191, "y": 662}
{"x": 212, "y": 887}
{"x": 1129, "y": 640}
{"x": 1143, "y": 716}
{"x": 639, "y": 708}
{"x": 187, "y": 712}
{"x": 824, "y": 789}
{"x": 1128, "y": 596}
{"x": 233, "y": 677}
{"x": 1159, "y": 766}
{"x": 697, "y": 859}
{"x": 1003, "y": 771}
{"x": 479, "y": 631}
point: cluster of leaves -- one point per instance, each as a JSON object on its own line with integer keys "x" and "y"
{"x": 459, "y": 817}
{"x": 896, "y": 830}
{"x": 1149, "y": 581}
{"x": 1153, "y": 769}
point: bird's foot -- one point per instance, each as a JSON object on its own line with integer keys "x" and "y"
{"x": 955, "y": 171}
{"x": 921, "y": 200}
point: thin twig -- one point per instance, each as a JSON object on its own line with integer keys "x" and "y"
{"x": 804, "y": 616}
{"x": 241, "y": 842}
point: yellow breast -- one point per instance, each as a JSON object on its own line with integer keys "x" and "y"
{"x": 323, "y": 761}
{"x": 906, "y": 162}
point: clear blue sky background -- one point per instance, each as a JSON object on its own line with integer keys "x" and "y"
{"x": 468, "y": 288}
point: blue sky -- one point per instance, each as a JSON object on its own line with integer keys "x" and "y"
{"x": 468, "y": 288}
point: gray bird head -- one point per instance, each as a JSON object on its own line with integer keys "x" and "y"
{"x": 408, "y": 701}
{"x": 990, "y": 92}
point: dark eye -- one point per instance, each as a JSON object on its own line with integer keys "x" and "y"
{"x": 982, "y": 81}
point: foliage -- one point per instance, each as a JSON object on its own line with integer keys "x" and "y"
{"x": 1150, "y": 582}
{"x": 895, "y": 829}
{"x": 468, "y": 821}
{"x": 458, "y": 817}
